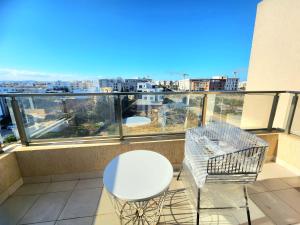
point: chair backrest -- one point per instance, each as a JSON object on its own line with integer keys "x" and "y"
{"x": 246, "y": 161}
{"x": 228, "y": 151}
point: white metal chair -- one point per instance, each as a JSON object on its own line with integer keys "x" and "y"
{"x": 221, "y": 153}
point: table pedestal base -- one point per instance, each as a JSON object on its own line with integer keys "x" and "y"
{"x": 139, "y": 212}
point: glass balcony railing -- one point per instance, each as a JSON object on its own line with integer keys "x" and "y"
{"x": 66, "y": 115}
{"x": 160, "y": 113}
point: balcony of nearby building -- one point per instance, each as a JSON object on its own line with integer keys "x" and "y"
{"x": 54, "y": 174}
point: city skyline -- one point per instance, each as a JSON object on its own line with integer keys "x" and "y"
{"x": 162, "y": 40}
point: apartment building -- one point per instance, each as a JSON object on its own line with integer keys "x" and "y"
{"x": 170, "y": 84}
{"x": 130, "y": 85}
{"x": 217, "y": 83}
{"x": 82, "y": 86}
{"x": 200, "y": 85}
{"x": 242, "y": 85}
{"x": 120, "y": 85}
{"x": 194, "y": 84}
{"x": 113, "y": 84}
{"x": 231, "y": 84}
{"x": 145, "y": 99}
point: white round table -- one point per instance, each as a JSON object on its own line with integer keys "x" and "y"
{"x": 136, "y": 178}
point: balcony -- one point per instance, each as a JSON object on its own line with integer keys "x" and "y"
{"x": 54, "y": 176}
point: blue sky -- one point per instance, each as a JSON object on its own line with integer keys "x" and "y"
{"x": 79, "y": 39}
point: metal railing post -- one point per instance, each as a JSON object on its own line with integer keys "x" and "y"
{"x": 273, "y": 112}
{"x": 187, "y": 112}
{"x": 64, "y": 106}
{"x": 204, "y": 108}
{"x": 119, "y": 116}
{"x": 19, "y": 121}
{"x": 291, "y": 114}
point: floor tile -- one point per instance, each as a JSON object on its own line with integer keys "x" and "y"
{"x": 176, "y": 184}
{"x": 89, "y": 183}
{"x": 14, "y": 208}
{"x": 65, "y": 177}
{"x": 45, "y": 223}
{"x": 177, "y": 209}
{"x": 278, "y": 211}
{"x": 29, "y": 189}
{"x": 82, "y": 203}
{"x": 13, "y": 188}
{"x": 222, "y": 195}
{"x": 90, "y": 175}
{"x": 257, "y": 216}
{"x": 61, "y": 186}
{"x": 261, "y": 221}
{"x": 3, "y": 196}
{"x": 46, "y": 208}
{"x": 275, "y": 184}
{"x": 77, "y": 221}
{"x": 290, "y": 197}
{"x": 256, "y": 187}
{"x": 224, "y": 217}
{"x": 292, "y": 181}
{"x": 105, "y": 205}
{"x": 111, "y": 219}
{"x": 273, "y": 170}
{"x": 37, "y": 179}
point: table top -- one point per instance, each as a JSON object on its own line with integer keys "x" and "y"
{"x": 138, "y": 175}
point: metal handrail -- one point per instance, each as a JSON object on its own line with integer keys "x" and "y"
{"x": 141, "y": 93}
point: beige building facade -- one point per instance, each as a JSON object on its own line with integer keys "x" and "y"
{"x": 274, "y": 66}
{"x": 275, "y": 55}
{"x": 275, "y": 58}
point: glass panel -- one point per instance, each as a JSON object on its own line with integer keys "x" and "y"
{"x": 295, "y": 129}
{"x": 149, "y": 114}
{"x": 12, "y": 127}
{"x": 250, "y": 111}
{"x": 282, "y": 110}
{"x": 225, "y": 107}
{"x": 62, "y": 117}
{"x": 256, "y": 111}
{"x": 8, "y": 131}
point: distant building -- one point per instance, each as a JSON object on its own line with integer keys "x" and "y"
{"x": 200, "y": 85}
{"x": 242, "y": 85}
{"x": 145, "y": 99}
{"x": 85, "y": 86}
{"x": 217, "y": 83}
{"x": 194, "y": 84}
{"x": 8, "y": 90}
{"x": 231, "y": 84}
{"x": 169, "y": 84}
{"x": 22, "y": 87}
{"x": 184, "y": 85}
{"x": 114, "y": 84}
{"x": 130, "y": 85}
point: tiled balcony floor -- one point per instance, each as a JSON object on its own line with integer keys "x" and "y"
{"x": 275, "y": 199}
